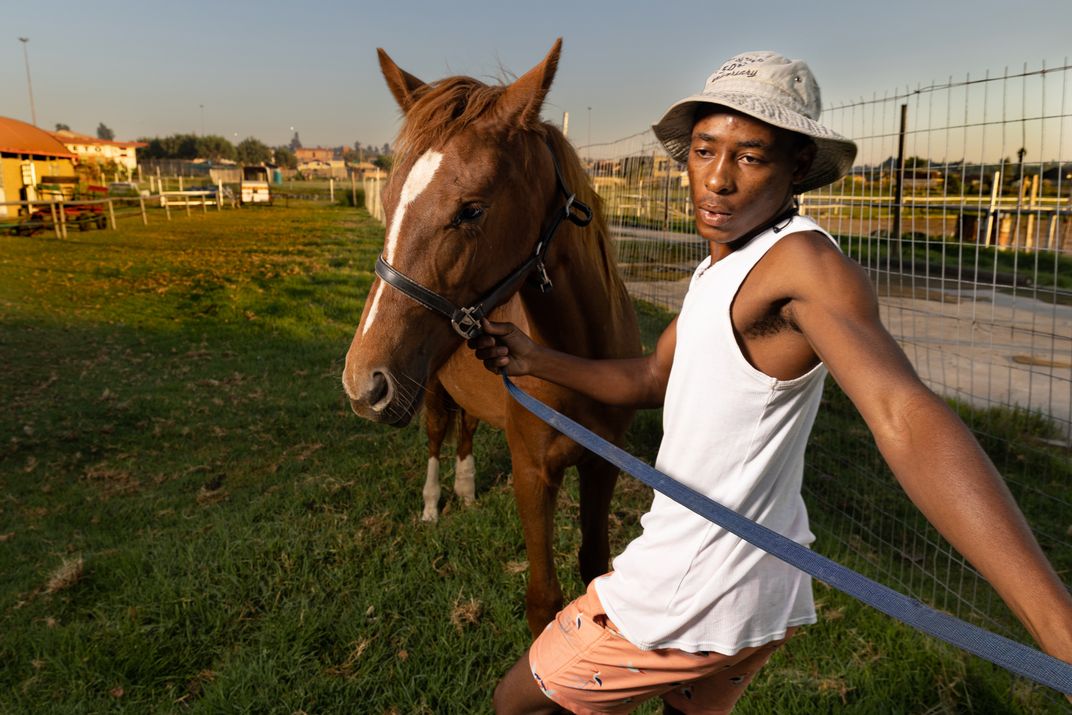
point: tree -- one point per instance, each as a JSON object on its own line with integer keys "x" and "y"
{"x": 295, "y": 142}
{"x": 60, "y": 126}
{"x": 253, "y": 151}
{"x": 384, "y": 162}
{"x": 214, "y": 148}
{"x": 285, "y": 157}
{"x": 104, "y": 132}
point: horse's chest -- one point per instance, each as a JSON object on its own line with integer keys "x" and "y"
{"x": 476, "y": 390}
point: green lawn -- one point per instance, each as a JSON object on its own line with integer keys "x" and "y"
{"x": 192, "y": 520}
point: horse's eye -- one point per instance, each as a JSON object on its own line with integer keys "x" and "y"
{"x": 468, "y": 214}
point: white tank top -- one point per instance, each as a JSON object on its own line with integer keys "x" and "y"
{"x": 738, "y": 436}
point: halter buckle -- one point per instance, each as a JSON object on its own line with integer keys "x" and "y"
{"x": 466, "y": 322}
{"x": 542, "y": 279}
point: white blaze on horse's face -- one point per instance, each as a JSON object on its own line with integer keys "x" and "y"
{"x": 420, "y": 176}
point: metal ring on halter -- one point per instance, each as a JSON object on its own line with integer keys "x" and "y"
{"x": 583, "y": 218}
{"x": 466, "y": 321}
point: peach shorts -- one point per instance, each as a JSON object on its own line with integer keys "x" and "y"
{"x": 584, "y": 664}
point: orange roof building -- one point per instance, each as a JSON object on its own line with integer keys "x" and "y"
{"x": 20, "y": 138}
{"x": 29, "y": 156}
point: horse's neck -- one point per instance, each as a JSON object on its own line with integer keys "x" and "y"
{"x": 588, "y": 311}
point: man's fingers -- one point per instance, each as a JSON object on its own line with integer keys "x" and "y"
{"x": 480, "y": 342}
{"x": 496, "y": 328}
{"x": 491, "y": 331}
{"x": 493, "y": 351}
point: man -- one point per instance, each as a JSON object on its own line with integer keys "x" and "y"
{"x": 690, "y": 612}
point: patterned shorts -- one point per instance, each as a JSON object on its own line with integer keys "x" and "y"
{"x": 584, "y": 664}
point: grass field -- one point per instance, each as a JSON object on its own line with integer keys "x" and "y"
{"x": 191, "y": 519}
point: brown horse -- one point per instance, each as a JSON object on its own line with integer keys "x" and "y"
{"x": 472, "y": 192}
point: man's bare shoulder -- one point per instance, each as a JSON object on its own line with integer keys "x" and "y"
{"x": 805, "y": 247}
{"x": 809, "y": 262}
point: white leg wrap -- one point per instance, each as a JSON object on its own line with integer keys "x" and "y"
{"x": 465, "y": 479}
{"x": 431, "y": 492}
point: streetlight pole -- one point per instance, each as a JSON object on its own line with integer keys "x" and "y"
{"x": 29, "y": 84}
{"x": 589, "y": 152}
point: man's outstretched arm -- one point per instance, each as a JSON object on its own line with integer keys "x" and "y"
{"x": 930, "y": 450}
{"x": 627, "y": 382}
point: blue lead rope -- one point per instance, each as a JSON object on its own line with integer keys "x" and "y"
{"x": 1014, "y": 657}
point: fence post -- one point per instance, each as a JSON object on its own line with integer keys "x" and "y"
{"x": 111, "y": 215}
{"x": 1029, "y": 239}
{"x": 144, "y": 216}
{"x": 331, "y": 189}
{"x": 219, "y": 196}
{"x": 898, "y": 192}
{"x": 992, "y": 212}
{"x": 353, "y": 190}
{"x": 167, "y": 206}
{"x": 185, "y": 199}
{"x": 55, "y": 224}
{"x": 63, "y": 218}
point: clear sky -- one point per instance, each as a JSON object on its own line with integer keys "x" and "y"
{"x": 241, "y": 68}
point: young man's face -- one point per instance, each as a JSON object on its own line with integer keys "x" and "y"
{"x": 741, "y": 173}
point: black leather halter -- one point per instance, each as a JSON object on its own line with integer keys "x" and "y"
{"x": 466, "y": 320}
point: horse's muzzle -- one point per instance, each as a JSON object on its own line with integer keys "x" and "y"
{"x": 376, "y": 397}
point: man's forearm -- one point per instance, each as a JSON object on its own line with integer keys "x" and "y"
{"x": 946, "y": 473}
{"x": 626, "y": 382}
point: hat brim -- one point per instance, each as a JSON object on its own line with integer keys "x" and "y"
{"x": 834, "y": 153}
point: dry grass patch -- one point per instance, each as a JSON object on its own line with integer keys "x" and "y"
{"x": 70, "y": 572}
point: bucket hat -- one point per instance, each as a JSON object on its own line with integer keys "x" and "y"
{"x": 773, "y": 89}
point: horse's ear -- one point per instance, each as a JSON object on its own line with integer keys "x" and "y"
{"x": 402, "y": 84}
{"x": 520, "y": 104}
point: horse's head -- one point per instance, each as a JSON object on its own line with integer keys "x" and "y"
{"x": 465, "y": 202}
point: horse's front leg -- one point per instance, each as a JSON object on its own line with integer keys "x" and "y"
{"x": 437, "y": 416}
{"x": 536, "y": 493}
{"x": 464, "y": 463}
{"x": 597, "y": 480}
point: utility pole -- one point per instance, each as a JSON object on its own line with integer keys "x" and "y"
{"x": 29, "y": 84}
{"x": 589, "y": 132}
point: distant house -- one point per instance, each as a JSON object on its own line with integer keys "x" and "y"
{"x": 362, "y": 168}
{"x": 314, "y": 153}
{"x": 101, "y": 151}
{"x": 30, "y": 158}
{"x": 917, "y": 178}
{"x": 1058, "y": 175}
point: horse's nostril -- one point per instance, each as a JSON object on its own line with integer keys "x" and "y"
{"x": 380, "y": 391}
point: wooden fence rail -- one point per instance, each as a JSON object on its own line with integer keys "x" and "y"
{"x": 27, "y": 218}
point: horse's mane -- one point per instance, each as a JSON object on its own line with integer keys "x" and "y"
{"x": 580, "y": 183}
{"x": 445, "y": 108}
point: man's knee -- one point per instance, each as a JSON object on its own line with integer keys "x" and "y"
{"x": 518, "y": 693}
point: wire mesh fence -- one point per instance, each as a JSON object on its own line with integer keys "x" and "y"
{"x": 960, "y": 210}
